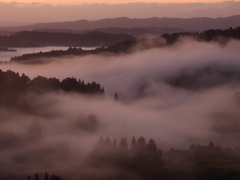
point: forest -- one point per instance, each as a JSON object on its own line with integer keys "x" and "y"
{"x": 147, "y": 109}
{"x": 15, "y": 87}
{"x": 142, "y": 159}
{"x": 129, "y": 45}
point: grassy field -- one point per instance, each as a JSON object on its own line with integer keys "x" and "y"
{"x": 189, "y": 167}
{"x": 232, "y": 165}
{"x": 180, "y": 166}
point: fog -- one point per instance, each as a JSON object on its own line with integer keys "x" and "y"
{"x": 150, "y": 105}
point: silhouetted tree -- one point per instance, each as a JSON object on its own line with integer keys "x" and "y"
{"x": 55, "y": 177}
{"x": 36, "y": 177}
{"x": 46, "y": 176}
{"x": 115, "y": 143}
{"x": 141, "y": 143}
{"x": 133, "y": 149}
{"x": 115, "y": 97}
{"x": 151, "y": 146}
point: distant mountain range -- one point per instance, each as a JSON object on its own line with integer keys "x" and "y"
{"x": 38, "y": 12}
{"x": 191, "y": 24}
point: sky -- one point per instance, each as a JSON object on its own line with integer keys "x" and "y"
{"x": 24, "y": 12}
{"x": 110, "y": 1}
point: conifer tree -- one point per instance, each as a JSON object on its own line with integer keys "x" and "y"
{"x": 36, "y": 177}
{"x": 46, "y": 176}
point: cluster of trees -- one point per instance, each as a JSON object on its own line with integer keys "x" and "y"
{"x": 46, "y": 177}
{"x": 210, "y": 161}
{"x": 13, "y": 86}
{"x": 206, "y": 77}
{"x": 129, "y": 44}
{"x": 38, "y": 39}
{"x": 53, "y": 53}
{"x": 142, "y": 160}
{"x": 209, "y": 35}
{"x": 7, "y": 49}
{"x": 197, "y": 153}
{"x": 141, "y": 157}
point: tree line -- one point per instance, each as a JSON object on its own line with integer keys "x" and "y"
{"x": 14, "y": 86}
{"x": 129, "y": 45}
{"x": 141, "y": 159}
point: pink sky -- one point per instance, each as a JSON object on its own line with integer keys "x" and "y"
{"x": 110, "y": 1}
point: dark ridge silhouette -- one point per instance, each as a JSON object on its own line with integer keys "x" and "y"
{"x": 38, "y": 39}
{"x": 13, "y": 87}
{"x": 191, "y": 24}
{"x": 136, "y": 32}
{"x": 209, "y": 35}
{"x": 128, "y": 46}
{"x": 6, "y": 33}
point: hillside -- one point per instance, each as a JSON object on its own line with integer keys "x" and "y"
{"x": 35, "y": 39}
{"x": 136, "y": 32}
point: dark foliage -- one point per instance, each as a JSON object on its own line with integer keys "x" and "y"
{"x": 198, "y": 153}
{"x": 142, "y": 158}
{"x": 13, "y": 87}
{"x": 206, "y": 77}
{"x": 209, "y": 35}
{"x": 46, "y": 177}
{"x": 130, "y": 44}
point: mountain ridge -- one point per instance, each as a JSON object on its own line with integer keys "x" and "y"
{"x": 190, "y": 24}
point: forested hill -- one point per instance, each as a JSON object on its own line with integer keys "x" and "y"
{"x": 136, "y": 31}
{"x": 15, "y": 87}
{"x": 127, "y": 46}
{"x": 37, "y": 39}
{"x": 209, "y": 35}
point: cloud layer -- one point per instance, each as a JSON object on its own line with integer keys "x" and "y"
{"x": 149, "y": 106}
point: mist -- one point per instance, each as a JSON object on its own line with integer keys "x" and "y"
{"x": 151, "y": 104}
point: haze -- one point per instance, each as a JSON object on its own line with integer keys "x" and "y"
{"x": 177, "y": 92}
{"x": 149, "y": 106}
{"x": 15, "y": 14}
{"x": 72, "y": 2}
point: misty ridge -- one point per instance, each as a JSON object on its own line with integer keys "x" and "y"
{"x": 174, "y": 95}
{"x": 125, "y": 45}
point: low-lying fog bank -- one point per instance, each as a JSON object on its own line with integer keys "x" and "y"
{"x": 174, "y": 95}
